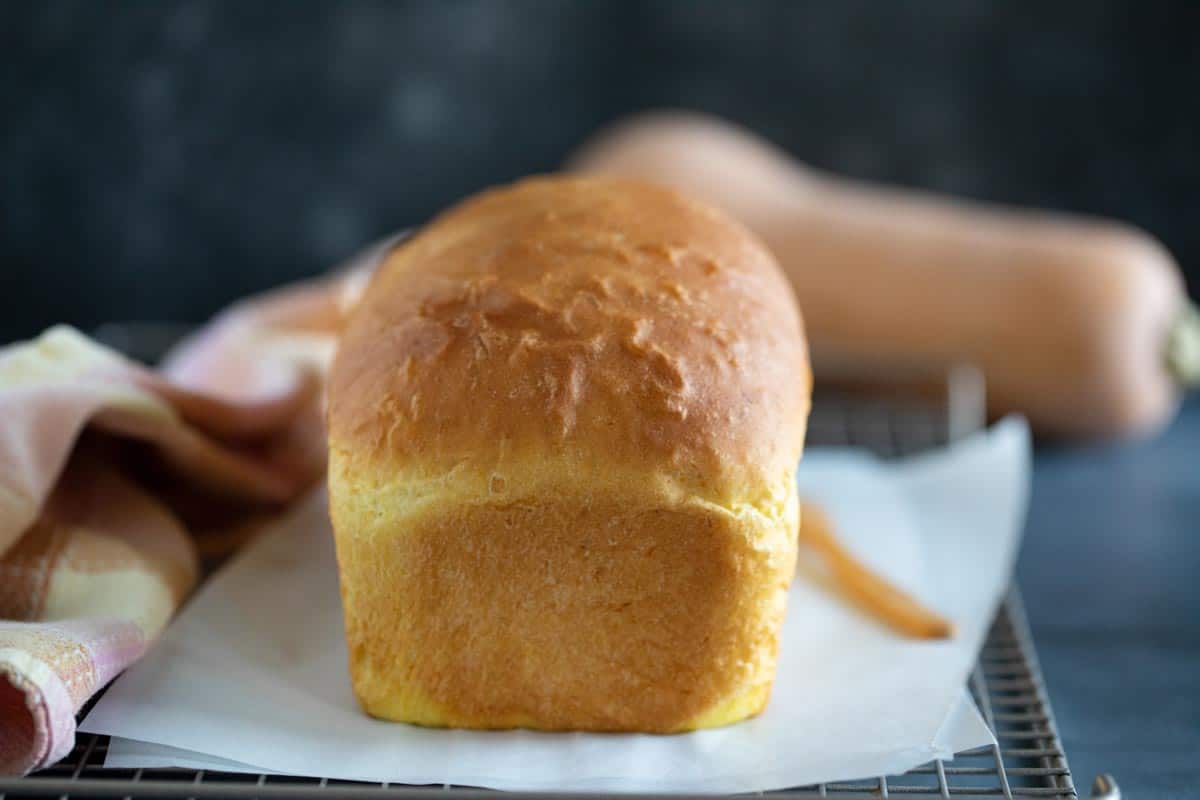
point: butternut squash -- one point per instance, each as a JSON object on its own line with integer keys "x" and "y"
{"x": 1082, "y": 325}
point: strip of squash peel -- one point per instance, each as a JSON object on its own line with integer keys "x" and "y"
{"x": 867, "y": 590}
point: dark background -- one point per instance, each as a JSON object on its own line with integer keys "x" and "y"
{"x": 159, "y": 159}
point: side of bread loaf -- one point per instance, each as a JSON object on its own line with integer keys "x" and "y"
{"x": 563, "y": 427}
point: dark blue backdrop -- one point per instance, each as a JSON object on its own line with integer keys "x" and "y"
{"x": 158, "y": 159}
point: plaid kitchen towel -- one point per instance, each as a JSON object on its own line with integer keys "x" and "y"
{"x": 114, "y": 477}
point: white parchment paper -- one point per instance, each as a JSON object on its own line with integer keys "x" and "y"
{"x": 252, "y": 675}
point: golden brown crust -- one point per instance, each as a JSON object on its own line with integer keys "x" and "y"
{"x": 592, "y": 382}
{"x": 600, "y": 318}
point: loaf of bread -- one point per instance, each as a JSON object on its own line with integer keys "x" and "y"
{"x": 563, "y": 427}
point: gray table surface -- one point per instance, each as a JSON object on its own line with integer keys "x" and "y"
{"x": 1109, "y": 573}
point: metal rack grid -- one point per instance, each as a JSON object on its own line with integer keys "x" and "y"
{"x": 1007, "y": 684}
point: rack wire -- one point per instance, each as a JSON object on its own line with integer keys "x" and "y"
{"x": 1027, "y": 761}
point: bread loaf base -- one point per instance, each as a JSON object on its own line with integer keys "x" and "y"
{"x": 563, "y": 610}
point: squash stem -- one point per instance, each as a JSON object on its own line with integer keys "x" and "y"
{"x": 1183, "y": 348}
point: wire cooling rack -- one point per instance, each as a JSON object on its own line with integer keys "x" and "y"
{"x": 1028, "y": 760}
{"x": 919, "y": 412}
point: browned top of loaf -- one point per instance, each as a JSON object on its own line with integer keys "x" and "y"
{"x": 599, "y": 322}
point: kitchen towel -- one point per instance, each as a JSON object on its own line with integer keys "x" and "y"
{"x": 112, "y": 474}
